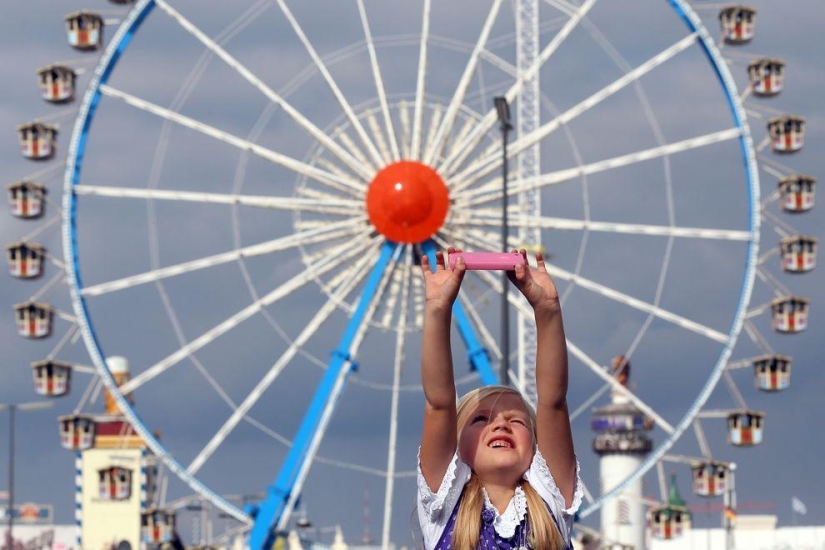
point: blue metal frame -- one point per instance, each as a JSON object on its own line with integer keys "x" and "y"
{"x": 271, "y": 509}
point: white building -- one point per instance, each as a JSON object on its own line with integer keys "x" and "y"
{"x": 751, "y": 533}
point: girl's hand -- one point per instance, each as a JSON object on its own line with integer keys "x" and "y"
{"x": 535, "y": 284}
{"x": 442, "y": 286}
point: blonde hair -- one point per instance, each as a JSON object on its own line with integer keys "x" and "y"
{"x": 544, "y": 533}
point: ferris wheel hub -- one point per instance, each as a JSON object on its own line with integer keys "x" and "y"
{"x": 407, "y": 201}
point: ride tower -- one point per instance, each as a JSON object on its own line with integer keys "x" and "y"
{"x": 622, "y": 444}
{"x": 115, "y": 476}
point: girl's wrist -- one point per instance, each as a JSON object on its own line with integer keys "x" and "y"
{"x": 547, "y": 309}
{"x": 438, "y": 306}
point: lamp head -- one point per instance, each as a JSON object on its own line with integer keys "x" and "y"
{"x": 503, "y": 111}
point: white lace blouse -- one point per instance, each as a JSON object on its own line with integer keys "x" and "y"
{"x": 434, "y": 509}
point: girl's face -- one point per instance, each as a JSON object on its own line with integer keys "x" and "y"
{"x": 497, "y": 437}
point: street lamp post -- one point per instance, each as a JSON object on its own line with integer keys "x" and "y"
{"x": 10, "y": 506}
{"x": 503, "y": 111}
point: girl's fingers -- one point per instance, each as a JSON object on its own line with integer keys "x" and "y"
{"x": 439, "y": 261}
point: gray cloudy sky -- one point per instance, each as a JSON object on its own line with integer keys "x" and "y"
{"x": 669, "y": 364}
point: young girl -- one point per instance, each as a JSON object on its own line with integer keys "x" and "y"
{"x": 484, "y": 478}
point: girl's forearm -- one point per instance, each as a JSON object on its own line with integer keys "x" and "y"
{"x": 436, "y": 357}
{"x": 551, "y": 359}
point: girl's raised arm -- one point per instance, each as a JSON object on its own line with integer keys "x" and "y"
{"x": 438, "y": 437}
{"x": 555, "y": 438}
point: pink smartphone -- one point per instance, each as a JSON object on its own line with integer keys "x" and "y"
{"x": 505, "y": 261}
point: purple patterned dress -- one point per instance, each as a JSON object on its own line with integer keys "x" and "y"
{"x": 488, "y": 538}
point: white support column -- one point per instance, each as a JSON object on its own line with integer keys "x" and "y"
{"x": 529, "y": 166}
{"x": 623, "y": 518}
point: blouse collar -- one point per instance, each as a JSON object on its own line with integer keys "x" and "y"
{"x": 505, "y": 524}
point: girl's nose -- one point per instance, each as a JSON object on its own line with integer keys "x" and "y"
{"x": 499, "y": 423}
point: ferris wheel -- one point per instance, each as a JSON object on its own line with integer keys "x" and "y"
{"x": 247, "y": 195}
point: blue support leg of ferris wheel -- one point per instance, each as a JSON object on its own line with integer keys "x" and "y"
{"x": 329, "y": 389}
{"x": 478, "y": 355}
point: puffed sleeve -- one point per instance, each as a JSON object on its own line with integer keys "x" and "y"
{"x": 434, "y": 509}
{"x": 542, "y": 481}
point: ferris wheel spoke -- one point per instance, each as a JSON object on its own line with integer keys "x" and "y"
{"x": 272, "y": 374}
{"x": 339, "y": 206}
{"x": 563, "y": 6}
{"x": 734, "y": 391}
{"x": 301, "y": 120}
{"x": 492, "y": 191}
{"x": 342, "y": 101}
{"x": 284, "y": 290}
{"x": 418, "y": 107}
{"x": 51, "y": 222}
{"x": 379, "y": 82}
{"x": 491, "y": 161}
{"x": 635, "y": 303}
{"x": 435, "y": 119}
{"x": 378, "y": 133}
{"x": 323, "y": 233}
{"x": 602, "y": 373}
{"x": 400, "y": 345}
{"x": 461, "y": 90}
{"x": 701, "y": 439}
{"x": 491, "y": 218}
{"x": 281, "y": 160}
{"x": 404, "y": 117}
{"x": 489, "y": 120}
{"x": 760, "y": 341}
{"x": 588, "y": 403}
{"x": 461, "y": 135}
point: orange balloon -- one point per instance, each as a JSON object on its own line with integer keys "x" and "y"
{"x": 407, "y": 202}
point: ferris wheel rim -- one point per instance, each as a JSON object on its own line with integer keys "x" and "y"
{"x": 74, "y": 158}
{"x": 70, "y": 250}
{"x": 693, "y": 22}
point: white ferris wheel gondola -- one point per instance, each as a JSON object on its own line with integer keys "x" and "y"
{"x": 787, "y": 133}
{"x": 52, "y": 378}
{"x": 25, "y": 259}
{"x": 790, "y": 314}
{"x": 738, "y": 24}
{"x": 157, "y": 525}
{"x": 37, "y": 140}
{"x": 746, "y": 428}
{"x": 26, "y": 199}
{"x": 77, "y": 432}
{"x": 798, "y": 253}
{"x": 798, "y": 193}
{"x": 57, "y": 83}
{"x": 772, "y": 372}
{"x": 767, "y": 76}
{"x": 710, "y": 478}
{"x": 85, "y": 30}
{"x": 115, "y": 483}
{"x": 33, "y": 319}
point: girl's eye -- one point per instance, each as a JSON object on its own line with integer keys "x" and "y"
{"x": 518, "y": 421}
{"x": 480, "y": 418}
